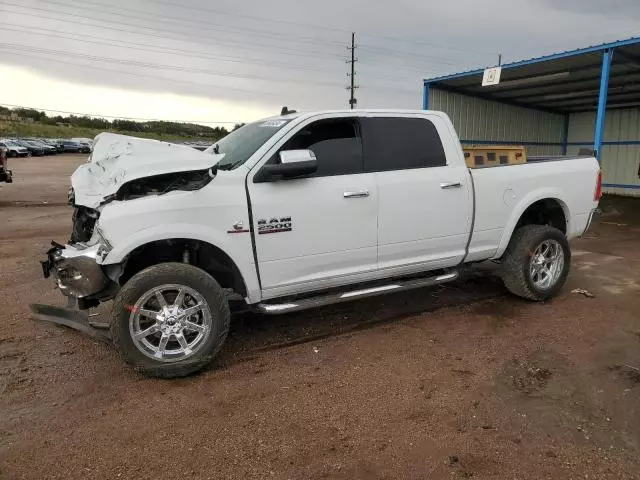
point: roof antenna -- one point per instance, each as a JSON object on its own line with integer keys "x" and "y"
{"x": 285, "y": 111}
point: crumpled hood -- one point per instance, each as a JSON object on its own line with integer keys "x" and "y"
{"x": 118, "y": 159}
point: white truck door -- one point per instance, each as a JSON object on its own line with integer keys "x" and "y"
{"x": 425, "y": 204}
{"x": 316, "y": 232}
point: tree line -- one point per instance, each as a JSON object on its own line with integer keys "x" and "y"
{"x": 162, "y": 127}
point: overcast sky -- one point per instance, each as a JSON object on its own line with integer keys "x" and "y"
{"x": 231, "y": 61}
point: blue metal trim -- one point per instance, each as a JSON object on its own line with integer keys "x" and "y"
{"x": 553, "y": 56}
{"x": 590, "y": 142}
{"x": 621, "y": 185}
{"x": 425, "y": 97}
{"x": 565, "y": 134}
{"x": 607, "y": 56}
{"x": 509, "y": 142}
{"x": 557, "y": 144}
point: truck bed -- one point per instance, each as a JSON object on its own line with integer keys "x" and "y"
{"x": 502, "y": 194}
{"x": 555, "y": 158}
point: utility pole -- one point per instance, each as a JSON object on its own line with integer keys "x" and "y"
{"x": 352, "y": 100}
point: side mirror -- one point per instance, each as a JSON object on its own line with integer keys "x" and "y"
{"x": 293, "y": 164}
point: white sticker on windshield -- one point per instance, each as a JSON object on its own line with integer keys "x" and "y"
{"x": 273, "y": 123}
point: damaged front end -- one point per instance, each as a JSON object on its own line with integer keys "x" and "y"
{"x": 120, "y": 169}
{"x": 75, "y": 269}
{"x": 77, "y": 266}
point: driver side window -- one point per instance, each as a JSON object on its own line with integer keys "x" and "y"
{"x": 336, "y": 143}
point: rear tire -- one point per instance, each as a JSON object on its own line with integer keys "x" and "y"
{"x": 528, "y": 267}
{"x": 193, "y": 348}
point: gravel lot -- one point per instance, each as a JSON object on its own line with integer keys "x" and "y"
{"x": 460, "y": 381}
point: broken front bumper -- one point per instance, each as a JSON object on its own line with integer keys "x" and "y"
{"x": 76, "y": 270}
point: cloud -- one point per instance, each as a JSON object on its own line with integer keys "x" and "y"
{"x": 261, "y": 55}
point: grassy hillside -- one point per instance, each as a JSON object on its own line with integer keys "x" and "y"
{"x": 12, "y": 129}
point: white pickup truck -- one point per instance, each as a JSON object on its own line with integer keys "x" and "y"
{"x": 299, "y": 211}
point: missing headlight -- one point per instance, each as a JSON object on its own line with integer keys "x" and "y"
{"x": 160, "y": 184}
{"x": 84, "y": 220}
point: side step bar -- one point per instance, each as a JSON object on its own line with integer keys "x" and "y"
{"x": 332, "y": 298}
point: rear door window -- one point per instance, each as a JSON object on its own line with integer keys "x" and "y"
{"x": 395, "y": 143}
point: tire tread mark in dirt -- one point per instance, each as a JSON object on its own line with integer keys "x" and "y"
{"x": 469, "y": 297}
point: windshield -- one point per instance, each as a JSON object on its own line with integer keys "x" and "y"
{"x": 240, "y": 144}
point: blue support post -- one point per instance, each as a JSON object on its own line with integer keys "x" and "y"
{"x": 565, "y": 134}
{"x": 425, "y": 96}
{"x": 602, "y": 101}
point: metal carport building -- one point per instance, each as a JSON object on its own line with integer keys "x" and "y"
{"x": 556, "y": 104}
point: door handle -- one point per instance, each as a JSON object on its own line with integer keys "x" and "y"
{"x": 358, "y": 194}
{"x": 445, "y": 186}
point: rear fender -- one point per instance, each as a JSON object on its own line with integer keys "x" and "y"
{"x": 521, "y": 207}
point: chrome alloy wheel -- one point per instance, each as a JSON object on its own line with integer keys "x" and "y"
{"x": 170, "y": 323}
{"x": 547, "y": 263}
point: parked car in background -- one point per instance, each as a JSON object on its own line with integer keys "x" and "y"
{"x": 83, "y": 140}
{"x": 46, "y": 148}
{"x": 53, "y": 143}
{"x": 69, "y": 146}
{"x": 86, "y": 144}
{"x": 34, "y": 149}
{"x": 85, "y": 147}
{"x": 13, "y": 149}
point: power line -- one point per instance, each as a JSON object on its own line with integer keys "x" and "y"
{"x": 163, "y": 50}
{"x": 172, "y": 80}
{"x": 135, "y": 74}
{"x": 157, "y": 66}
{"x": 185, "y": 53}
{"x": 385, "y": 51}
{"x": 165, "y": 36}
{"x": 201, "y": 25}
{"x": 319, "y": 27}
{"x": 111, "y": 116}
{"x": 255, "y": 32}
{"x": 249, "y": 17}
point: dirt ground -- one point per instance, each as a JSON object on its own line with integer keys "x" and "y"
{"x": 461, "y": 381}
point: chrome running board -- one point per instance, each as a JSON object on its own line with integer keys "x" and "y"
{"x": 332, "y": 298}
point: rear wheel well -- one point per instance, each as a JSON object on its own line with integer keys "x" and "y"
{"x": 544, "y": 212}
{"x": 194, "y": 252}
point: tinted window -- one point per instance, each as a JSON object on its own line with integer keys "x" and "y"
{"x": 336, "y": 144}
{"x": 400, "y": 144}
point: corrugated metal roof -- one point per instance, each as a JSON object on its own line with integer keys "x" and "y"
{"x": 560, "y": 82}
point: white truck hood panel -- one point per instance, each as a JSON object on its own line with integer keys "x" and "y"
{"x": 118, "y": 159}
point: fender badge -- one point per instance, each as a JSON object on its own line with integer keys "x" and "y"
{"x": 238, "y": 227}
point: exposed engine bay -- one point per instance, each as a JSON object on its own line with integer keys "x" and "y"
{"x": 85, "y": 218}
{"x": 84, "y": 221}
{"x": 161, "y": 184}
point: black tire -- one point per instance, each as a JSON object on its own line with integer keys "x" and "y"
{"x": 516, "y": 262}
{"x": 12, "y": 153}
{"x": 161, "y": 274}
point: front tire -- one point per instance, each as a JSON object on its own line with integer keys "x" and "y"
{"x": 170, "y": 320}
{"x": 536, "y": 263}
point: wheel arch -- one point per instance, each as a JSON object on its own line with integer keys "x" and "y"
{"x": 198, "y": 253}
{"x": 224, "y": 252}
{"x": 543, "y": 208}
